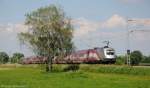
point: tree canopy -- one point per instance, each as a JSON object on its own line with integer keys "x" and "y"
{"x": 4, "y": 58}
{"x": 16, "y": 57}
{"x": 136, "y": 57}
{"x": 50, "y": 32}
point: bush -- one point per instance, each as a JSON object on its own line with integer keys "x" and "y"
{"x": 136, "y": 57}
{"x": 58, "y": 68}
{"x": 120, "y": 60}
{"x": 72, "y": 67}
{"x": 61, "y": 67}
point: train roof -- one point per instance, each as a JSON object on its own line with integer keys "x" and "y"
{"x": 90, "y": 50}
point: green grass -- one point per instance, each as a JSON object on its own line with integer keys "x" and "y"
{"x": 34, "y": 77}
{"x": 129, "y": 70}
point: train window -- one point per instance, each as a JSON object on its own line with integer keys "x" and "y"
{"x": 110, "y": 53}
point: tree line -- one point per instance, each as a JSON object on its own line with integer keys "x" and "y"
{"x": 136, "y": 57}
{"x": 15, "y": 58}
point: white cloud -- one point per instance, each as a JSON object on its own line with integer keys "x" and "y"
{"x": 9, "y": 41}
{"x": 115, "y": 21}
{"x": 21, "y": 28}
{"x": 13, "y": 28}
{"x": 84, "y": 27}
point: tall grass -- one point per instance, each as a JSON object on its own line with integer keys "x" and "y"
{"x": 97, "y": 68}
{"x": 116, "y": 69}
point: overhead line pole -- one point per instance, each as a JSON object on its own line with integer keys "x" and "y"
{"x": 128, "y": 44}
{"x": 128, "y": 38}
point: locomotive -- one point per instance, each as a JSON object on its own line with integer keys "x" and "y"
{"x": 96, "y": 55}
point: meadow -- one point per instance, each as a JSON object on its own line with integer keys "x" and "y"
{"x": 88, "y": 76}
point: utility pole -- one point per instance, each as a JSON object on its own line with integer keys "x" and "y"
{"x": 131, "y": 31}
{"x": 128, "y": 44}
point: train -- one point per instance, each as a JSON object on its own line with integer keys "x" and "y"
{"x": 33, "y": 60}
{"x": 96, "y": 55}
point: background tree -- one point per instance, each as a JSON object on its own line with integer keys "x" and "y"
{"x": 146, "y": 59}
{"x": 50, "y": 33}
{"x": 136, "y": 57}
{"x": 16, "y": 57}
{"x": 4, "y": 58}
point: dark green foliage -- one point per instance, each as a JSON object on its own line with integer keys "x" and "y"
{"x": 16, "y": 57}
{"x": 72, "y": 67}
{"x": 136, "y": 57}
{"x": 146, "y": 59}
{"x": 4, "y": 58}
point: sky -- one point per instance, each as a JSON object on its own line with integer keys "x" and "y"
{"x": 94, "y": 21}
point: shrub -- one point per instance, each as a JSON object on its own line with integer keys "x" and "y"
{"x": 120, "y": 60}
{"x": 136, "y": 57}
{"x": 58, "y": 68}
{"x": 72, "y": 67}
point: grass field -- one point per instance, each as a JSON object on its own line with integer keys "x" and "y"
{"x": 34, "y": 77}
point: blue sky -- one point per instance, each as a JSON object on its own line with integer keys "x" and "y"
{"x": 94, "y": 20}
{"x": 14, "y": 11}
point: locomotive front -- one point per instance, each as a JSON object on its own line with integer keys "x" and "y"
{"x": 109, "y": 55}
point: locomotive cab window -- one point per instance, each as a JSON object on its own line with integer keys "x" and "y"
{"x": 110, "y": 53}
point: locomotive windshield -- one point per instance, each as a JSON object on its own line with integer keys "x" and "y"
{"x": 110, "y": 52}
